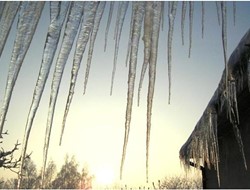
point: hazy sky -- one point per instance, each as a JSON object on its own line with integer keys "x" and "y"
{"x": 95, "y": 125}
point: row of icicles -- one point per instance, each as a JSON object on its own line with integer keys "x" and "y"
{"x": 84, "y": 18}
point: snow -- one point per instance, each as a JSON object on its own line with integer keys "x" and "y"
{"x": 202, "y": 145}
{"x": 84, "y": 18}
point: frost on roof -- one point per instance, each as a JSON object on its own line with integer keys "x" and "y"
{"x": 202, "y": 145}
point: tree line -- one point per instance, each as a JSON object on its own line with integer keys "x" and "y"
{"x": 68, "y": 177}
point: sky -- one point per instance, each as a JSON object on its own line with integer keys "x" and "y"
{"x": 95, "y": 124}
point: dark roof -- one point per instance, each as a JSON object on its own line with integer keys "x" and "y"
{"x": 224, "y": 107}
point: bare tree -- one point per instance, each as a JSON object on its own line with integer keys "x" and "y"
{"x": 7, "y": 160}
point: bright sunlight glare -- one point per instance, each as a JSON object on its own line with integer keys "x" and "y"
{"x": 104, "y": 176}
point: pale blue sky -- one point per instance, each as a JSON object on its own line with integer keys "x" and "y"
{"x": 95, "y": 125}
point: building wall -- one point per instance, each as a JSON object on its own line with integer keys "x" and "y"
{"x": 232, "y": 170}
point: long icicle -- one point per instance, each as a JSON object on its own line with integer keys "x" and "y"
{"x": 234, "y": 118}
{"x": 162, "y": 15}
{"x": 224, "y": 43}
{"x": 72, "y": 25}
{"x": 171, "y": 18}
{"x": 57, "y": 15}
{"x": 148, "y": 23}
{"x": 28, "y": 18}
{"x": 136, "y": 33}
{"x": 122, "y": 12}
{"x": 183, "y": 16}
{"x": 111, "y": 9}
{"x": 7, "y": 17}
{"x": 234, "y": 12}
{"x": 152, "y": 74}
{"x": 97, "y": 21}
{"x": 83, "y": 37}
{"x": 202, "y": 18}
{"x": 218, "y": 11}
{"x": 2, "y": 7}
{"x": 130, "y": 36}
{"x": 191, "y": 13}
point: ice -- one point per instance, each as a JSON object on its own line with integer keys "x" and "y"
{"x": 162, "y": 16}
{"x": 130, "y": 36}
{"x": 234, "y": 12}
{"x": 202, "y": 145}
{"x": 8, "y": 12}
{"x": 202, "y": 18}
{"x": 111, "y": 9}
{"x": 58, "y": 12}
{"x": 248, "y": 74}
{"x": 191, "y": 13}
{"x": 2, "y": 7}
{"x": 152, "y": 72}
{"x": 120, "y": 20}
{"x": 28, "y": 18}
{"x": 234, "y": 117}
{"x": 97, "y": 21}
{"x": 224, "y": 43}
{"x": 171, "y": 18}
{"x": 218, "y": 11}
{"x": 148, "y": 22}
{"x": 72, "y": 25}
{"x": 183, "y": 15}
{"x": 136, "y": 33}
{"x": 82, "y": 40}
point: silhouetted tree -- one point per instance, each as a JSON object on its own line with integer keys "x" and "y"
{"x": 86, "y": 179}
{"x": 50, "y": 173}
{"x": 30, "y": 178}
{"x": 68, "y": 177}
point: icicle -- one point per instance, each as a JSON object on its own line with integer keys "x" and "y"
{"x": 162, "y": 16}
{"x": 171, "y": 18}
{"x": 117, "y": 20}
{"x": 234, "y": 117}
{"x": 152, "y": 72}
{"x": 108, "y": 23}
{"x": 97, "y": 21}
{"x": 136, "y": 33}
{"x": 202, "y": 18}
{"x": 28, "y": 18}
{"x": 224, "y": 44}
{"x": 234, "y": 11}
{"x": 148, "y": 23}
{"x": 57, "y": 15}
{"x": 2, "y": 7}
{"x": 191, "y": 12}
{"x": 248, "y": 74}
{"x": 130, "y": 36}
{"x": 72, "y": 25}
{"x": 183, "y": 15}
{"x": 83, "y": 37}
{"x": 218, "y": 11}
{"x": 8, "y": 15}
{"x": 121, "y": 16}
{"x": 215, "y": 143}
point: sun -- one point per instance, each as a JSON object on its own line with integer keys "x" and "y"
{"x": 105, "y": 176}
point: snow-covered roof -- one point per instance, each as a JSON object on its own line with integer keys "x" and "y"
{"x": 202, "y": 145}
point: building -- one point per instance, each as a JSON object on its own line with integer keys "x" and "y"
{"x": 220, "y": 143}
